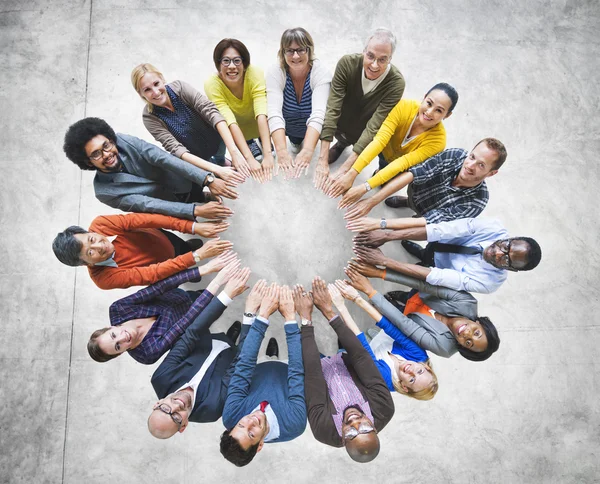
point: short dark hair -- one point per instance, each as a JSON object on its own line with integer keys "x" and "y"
{"x": 233, "y": 452}
{"x": 450, "y": 92}
{"x": 67, "y": 248}
{"x": 237, "y": 45}
{"x": 79, "y": 134}
{"x": 497, "y": 146}
{"x": 94, "y": 348}
{"x": 534, "y": 254}
{"x": 492, "y": 338}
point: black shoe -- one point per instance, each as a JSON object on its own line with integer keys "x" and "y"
{"x": 195, "y": 244}
{"x": 397, "y": 304}
{"x": 401, "y": 296}
{"x": 336, "y": 151}
{"x": 273, "y": 348}
{"x": 234, "y": 331}
{"x": 414, "y": 249}
{"x": 255, "y": 150}
{"x": 397, "y": 202}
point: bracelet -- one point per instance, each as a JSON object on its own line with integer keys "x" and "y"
{"x": 372, "y": 294}
{"x": 384, "y": 273}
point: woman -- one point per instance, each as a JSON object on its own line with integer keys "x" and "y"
{"x": 438, "y": 319}
{"x": 146, "y": 324}
{"x": 238, "y": 89}
{"x": 403, "y": 365}
{"x": 297, "y": 92}
{"x": 186, "y": 123}
{"x": 412, "y": 132}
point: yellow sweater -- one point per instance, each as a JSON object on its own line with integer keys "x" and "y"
{"x": 241, "y": 111}
{"x": 389, "y": 139}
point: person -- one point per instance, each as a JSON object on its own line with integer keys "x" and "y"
{"x": 265, "y": 401}
{"x": 297, "y": 93}
{"x": 470, "y": 255}
{"x": 187, "y": 124}
{"x": 364, "y": 89}
{"x": 148, "y": 322}
{"x": 403, "y": 364}
{"x": 411, "y": 133}
{"x": 438, "y": 319}
{"x": 135, "y": 176}
{"x": 239, "y": 91}
{"x": 121, "y": 251}
{"x": 191, "y": 382}
{"x": 347, "y": 400}
{"x": 448, "y": 186}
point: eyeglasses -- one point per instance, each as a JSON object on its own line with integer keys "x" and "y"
{"x": 176, "y": 417}
{"x": 225, "y": 61}
{"x": 363, "y": 428}
{"x": 106, "y": 147}
{"x": 504, "y": 246}
{"x": 382, "y": 60}
{"x": 291, "y": 52}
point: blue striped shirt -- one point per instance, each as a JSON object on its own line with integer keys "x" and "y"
{"x": 296, "y": 113}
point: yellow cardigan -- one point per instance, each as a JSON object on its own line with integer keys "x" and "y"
{"x": 389, "y": 139}
{"x": 241, "y": 111}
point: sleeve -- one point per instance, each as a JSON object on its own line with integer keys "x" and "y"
{"x": 159, "y": 131}
{"x": 432, "y": 143}
{"x": 258, "y": 90}
{"x": 339, "y": 86}
{"x": 200, "y": 103}
{"x": 422, "y": 286}
{"x": 213, "y": 87}
{"x": 142, "y": 203}
{"x": 469, "y": 209}
{"x": 275, "y": 86}
{"x": 382, "y": 138}
{"x": 445, "y": 160}
{"x": 414, "y": 331}
{"x": 296, "y": 401}
{"x": 462, "y": 281}
{"x": 412, "y": 350}
{"x": 390, "y": 98}
{"x": 320, "y": 95}
{"x": 120, "y": 224}
{"x": 449, "y": 231}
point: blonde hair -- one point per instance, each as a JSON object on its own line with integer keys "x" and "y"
{"x": 425, "y": 394}
{"x": 136, "y": 77}
{"x": 302, "y": 38}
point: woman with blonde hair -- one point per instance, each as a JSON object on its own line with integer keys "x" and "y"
{"x": 186, "y": 123}
{"x": 297, "y": 93}
{"x": 403, "y": 364}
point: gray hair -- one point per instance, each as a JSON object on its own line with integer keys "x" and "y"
{"x": 383, "y": 35}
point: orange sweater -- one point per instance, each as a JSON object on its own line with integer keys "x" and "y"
{"x": 143, "y": 254}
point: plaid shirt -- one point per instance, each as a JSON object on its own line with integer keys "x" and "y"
{"x": 433, "y": 193}
{"x": 173, "y": 308}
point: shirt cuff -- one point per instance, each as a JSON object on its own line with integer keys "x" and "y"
{"x": 291, "y": 321}
{"x": 262, "y": 320}
{"x": 193, "y": 225}
{"x": 247, "y": 320}
{"x": 224, "y": 298}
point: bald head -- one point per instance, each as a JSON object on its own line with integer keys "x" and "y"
{"x": 161, "y": 425}
{"x": 363, "y": 447}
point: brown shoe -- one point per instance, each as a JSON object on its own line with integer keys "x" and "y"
{"x": 397, "y": 202}
{"x": 335, "y": 151}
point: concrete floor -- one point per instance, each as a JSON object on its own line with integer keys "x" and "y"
{"x": 525, "y": 73}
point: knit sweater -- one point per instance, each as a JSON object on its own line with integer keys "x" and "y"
{"x": 356, "y": 115}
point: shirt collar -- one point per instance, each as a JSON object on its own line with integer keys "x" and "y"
{"x": 273, "y": 423}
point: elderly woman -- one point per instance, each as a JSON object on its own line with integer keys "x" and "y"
{"x": 147, "y": 323}
{"x": 297, "y": 92}
{"x": 438, "y": 319}
{"x": 186, "y": 123}
{"x": 239, "y": 91}
{"x": 412, "y": 132}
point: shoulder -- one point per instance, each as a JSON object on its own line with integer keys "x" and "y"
{"x": 319, "y": 73}
{"x": 255, "y": 73}
{"x": 275, "y": 72}
{"x": 213, "y": 83}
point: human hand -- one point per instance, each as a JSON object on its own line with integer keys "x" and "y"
{"x": 346, "y": 290}
{"x": 286, "y": 304}
{"x": 219, "y": 188}
{"x": 231, "y": 177}
{"x": 359, "y": 209}
{"x": 255, "y": 297}
{"x": 371, "y": 239}
{"x": 365, "y": 224}
{"x": 302, "y": 162}
{"x": 218, "y": 263}
{"x": 212, "y": 211}
{"x": 285, "y": 163}
{"x": 240, "y": 164}
{"x": 255, "y": 169}
{"x": 212, "y": 248}
{"x": 336, "y": 297}
{"x": 366, "y": 270}
{"x": 226, "y": 272}
{"x": 303, "y": 302}
{"x": 321, "y": 177}
{"x": 358, "y": 281}
{"x": 210, "y": 229}
{"x": 237, "y": 283}
{"x": 352, "y": 196}
{"x": 270, "y": 301}
{"x": 341, "y": 185}
{"x": 267, "y": 166}
{"x": 370, "y": 255}
{"x": 322, "y": 298}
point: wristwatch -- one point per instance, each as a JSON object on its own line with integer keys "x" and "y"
{"x": 197, "y": 258}
{"x": 306, "y": 322}
{"x": 383, "y": 223}
{"x": 209, "y": 179}
{"x": 250, "y": 315}
{"x": 367, "y": 186}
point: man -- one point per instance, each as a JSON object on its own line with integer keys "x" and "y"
{"x": 364, "y": 89}
{"x": 192, "y": 380}
{"x": 347, "y": 399}
{"x": 470, "y": 255}
{"x": 448, "y": 186}
{"x": 121, "y": 251}
{"x": 265, "y": 401}
{"x": 135, "y": 176}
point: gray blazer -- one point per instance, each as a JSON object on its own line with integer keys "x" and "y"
{"x": 429, "y": 333}
{"x": 153, "y": 180}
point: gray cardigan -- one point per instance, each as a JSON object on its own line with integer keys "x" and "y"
{"x": 429, "y": 333}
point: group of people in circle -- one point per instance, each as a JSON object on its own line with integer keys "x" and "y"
{"x": 210, "y": 147}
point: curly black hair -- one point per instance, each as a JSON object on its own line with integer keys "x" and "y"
{"x": 233, "y": 452}
{"x": 79, "y": 134}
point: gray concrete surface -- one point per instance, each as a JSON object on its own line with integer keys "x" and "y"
{"x": 526, "y": 73}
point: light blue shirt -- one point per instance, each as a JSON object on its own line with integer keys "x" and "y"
{"x": 466, "y": 272}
